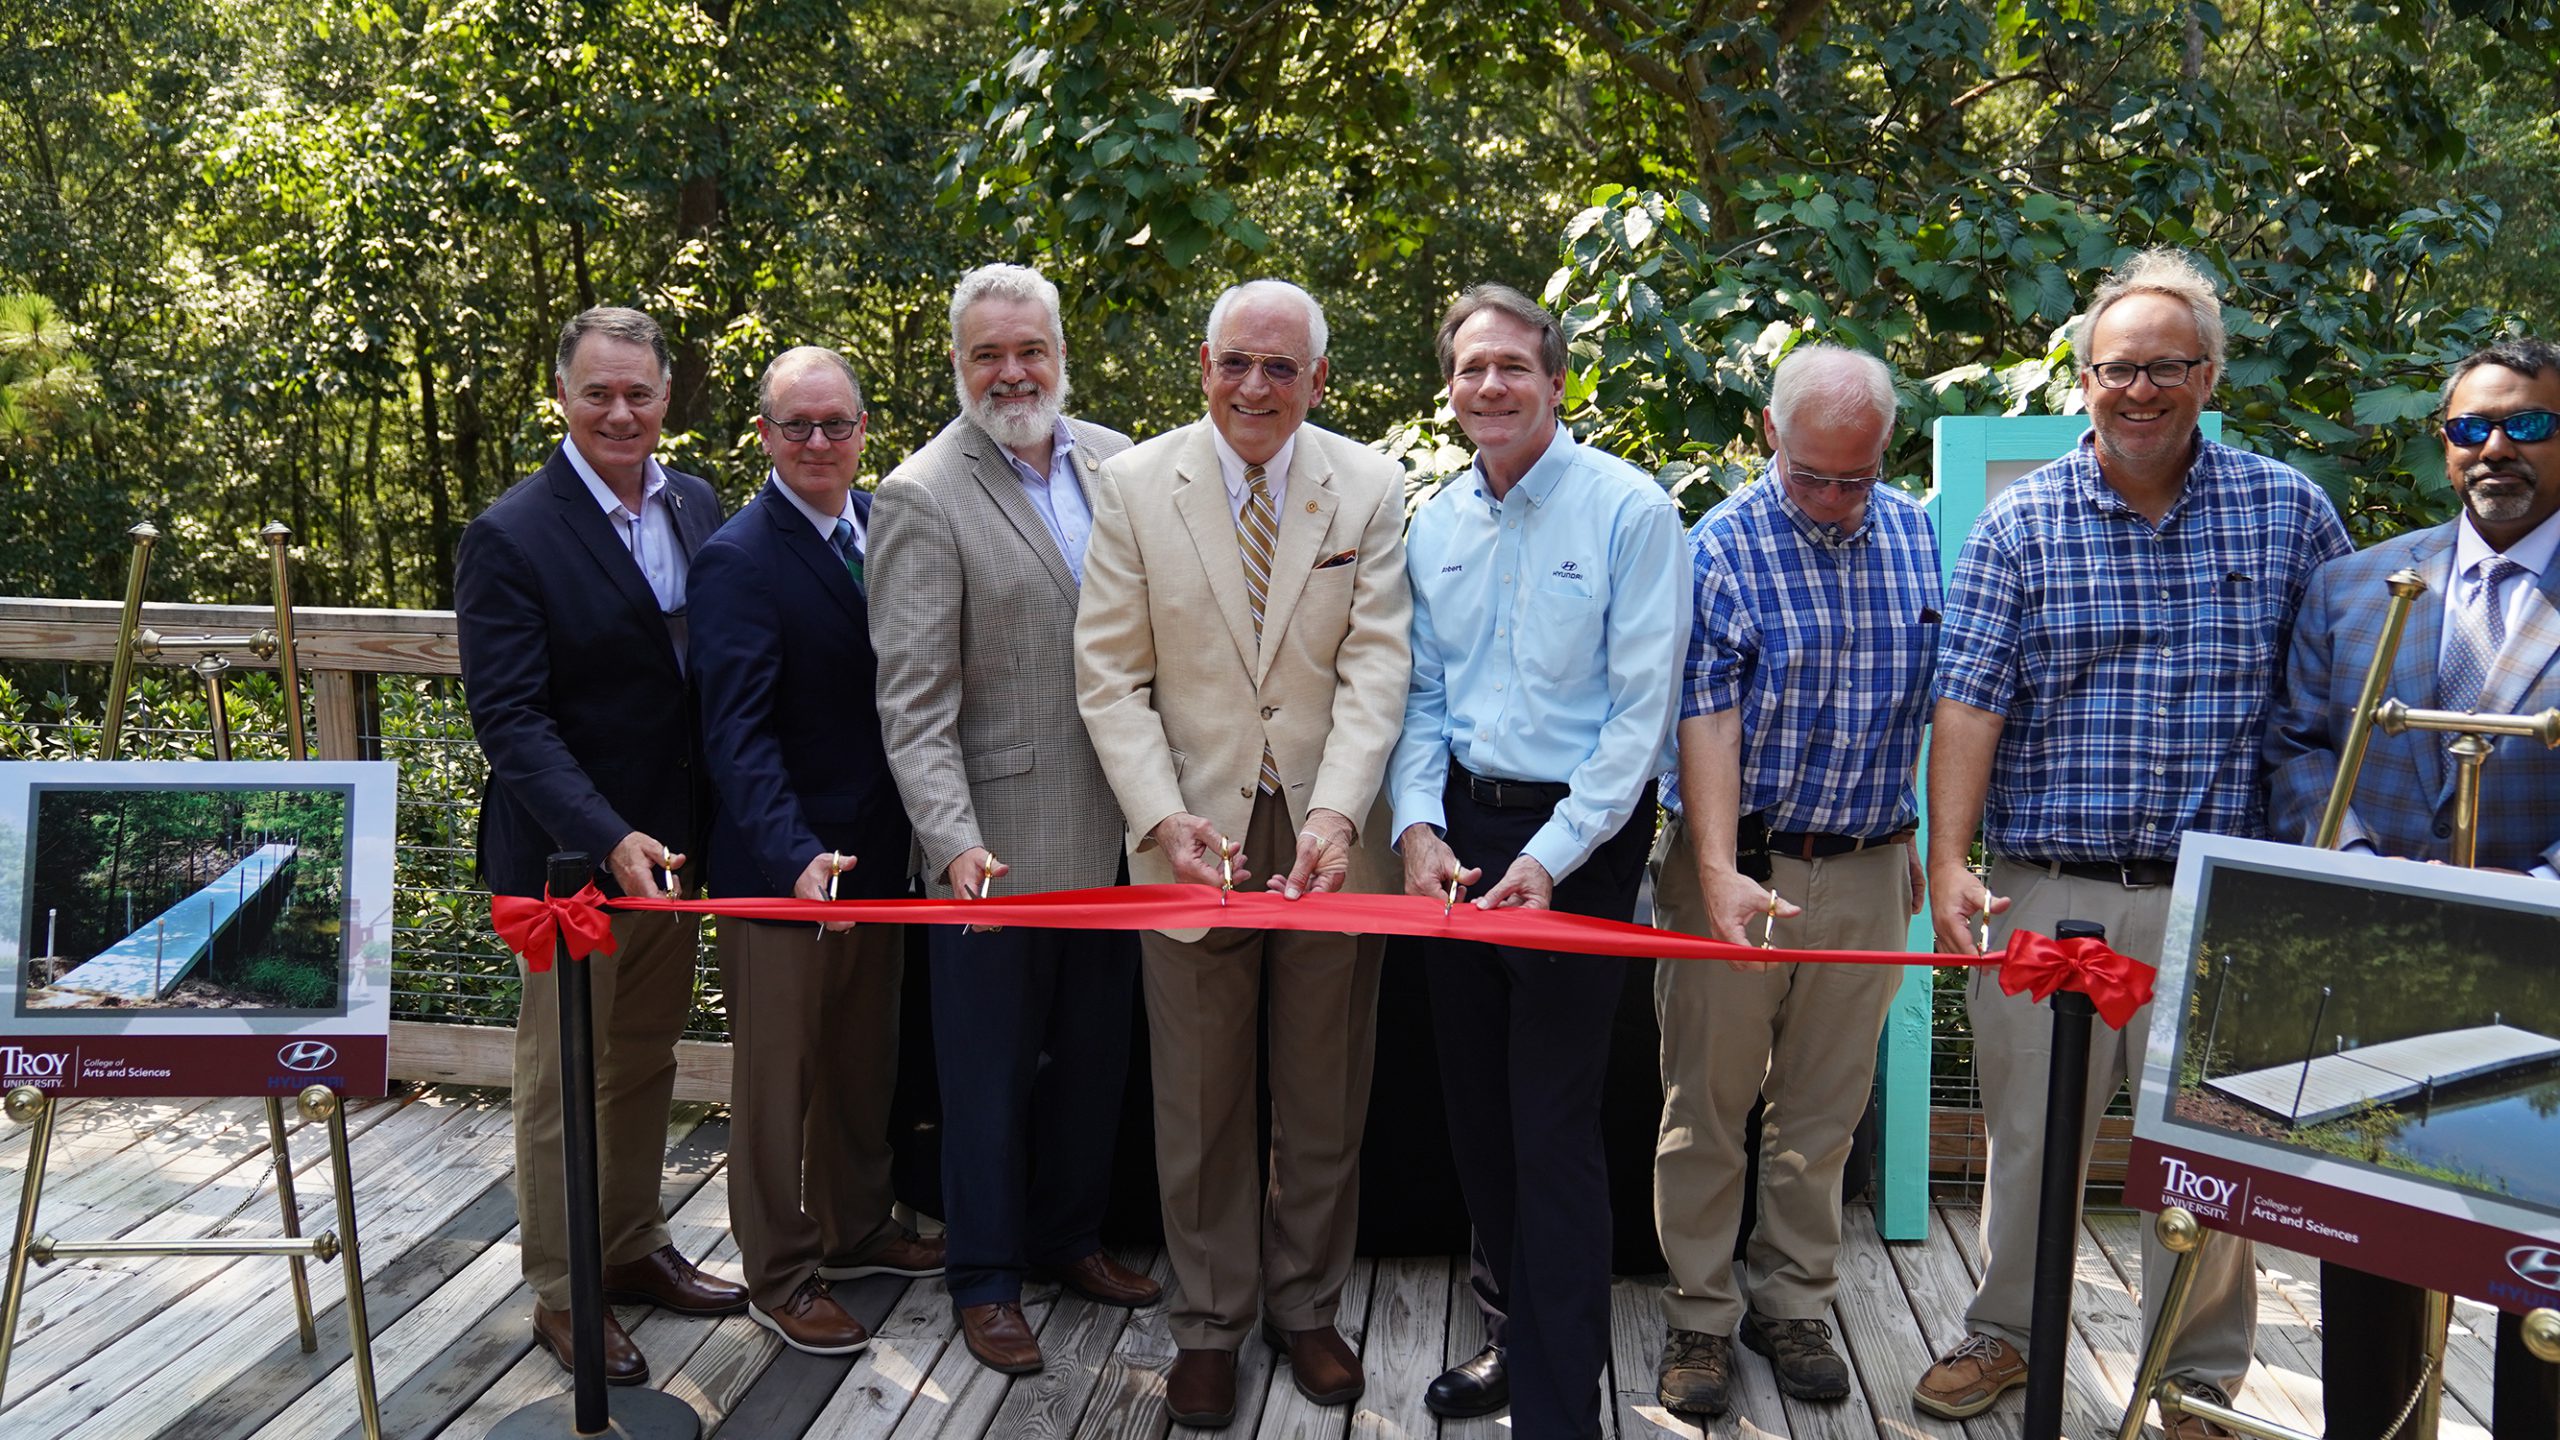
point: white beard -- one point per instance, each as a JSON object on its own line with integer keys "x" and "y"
{"x": 1011, "y": 426}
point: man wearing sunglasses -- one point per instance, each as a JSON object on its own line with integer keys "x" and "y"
{"x": 2485, "y": 637}
{"x": 1802, "y": 705}
{"x": 1241, "y": 657}
{"x": 808, "y": 811}
{"x": 2114, "y": 631}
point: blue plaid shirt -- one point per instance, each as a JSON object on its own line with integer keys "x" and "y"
{"x": 2135, "y": 664}
{"x": 1824, "y": 639}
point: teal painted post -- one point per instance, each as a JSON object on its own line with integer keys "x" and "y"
{"x": 1964, "y": 451}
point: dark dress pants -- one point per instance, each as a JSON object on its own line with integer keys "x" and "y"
{"x": 2372, "y": 1333}
{"x": 1031, "y": 1044}
{"x": 1524, "y": 1047}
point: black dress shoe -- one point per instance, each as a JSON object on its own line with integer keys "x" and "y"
{"x": 1478, "y": 1387}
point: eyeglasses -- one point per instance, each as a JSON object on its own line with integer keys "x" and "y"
{"x": 2525, "y": 427}
{"x": 797, "y": 431}
{"x": 1280, "y": 370}
{"x": 2167, "y": 374}
{"x": 1850, "y": 485}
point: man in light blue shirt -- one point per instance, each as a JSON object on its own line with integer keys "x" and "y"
{"x": 1551, "y": 615}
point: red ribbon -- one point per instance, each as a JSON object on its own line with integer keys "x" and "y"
{"x": 533, "y": 928}
{"x": 2119, "y": 984}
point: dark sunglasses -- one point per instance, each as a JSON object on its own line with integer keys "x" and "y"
{"x": 2525, "y": 427}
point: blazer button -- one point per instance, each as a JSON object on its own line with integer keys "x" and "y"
{"x": 2444, "y": 829}
{"x": 1244, "y": 792}
{"x": 1270, "y": 710}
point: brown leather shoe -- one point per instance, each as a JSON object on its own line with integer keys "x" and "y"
{"x": 1326, "y": 1369}
{"x": 1103, "y": 1280}
{"x": 623, "y": 1362}
{"x": 912, "y": 1256}
{"x": 666, "y": 1279}
{"x": 1000, "y": 1337}
{"x": 813, "y": 1322}
{"x": 1968, "y": 1379}
{"x": 1200, "y": 1390}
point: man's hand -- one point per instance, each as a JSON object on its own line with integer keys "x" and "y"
{"x": 1324, "y": 856}
{"x": 970, "y": 872}
{"x": 1196, "y": 850}
{"x": 1429, "y": 862}
{"x": 1957, "y": 897}
{"x": 1526, "y": 885}
{"x": 1919, "y": 881}
{"x": 823, "y": 867}
{"x": 1736, "y": 902}
{"x": 639, "y": 862}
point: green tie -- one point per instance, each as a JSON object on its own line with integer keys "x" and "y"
{"x": 843, "y": 541}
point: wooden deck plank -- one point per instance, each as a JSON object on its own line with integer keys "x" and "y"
{"x": 191, "y": 1349}
{"x": 1076, "y": 1346}
{"x": 886, "y": 1378}
{"x": 2470, "y": 1352}
{"x": 1128, "y": 1398}
{"x": 1288, "y": 1414}
{"x": 2087, "y": 1407}
{"x": 82, "y": 1310}
{"x": 960, "y": 1396}
{"x": 1465, "y": 1337}
{"x": 1405, "y": 1347}
{"x": 1881, "y": 1335}
{"x": 86, "y": 1132}
{"x": 2276, "y": 1387}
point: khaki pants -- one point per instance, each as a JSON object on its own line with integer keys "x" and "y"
{"x": 640, "y": 995}
{"x": 2012, "y": 1050}
{"x": 1804, "y": 1035}
{"x": 1233, "y": 1247}
{"x": 813, "y": 1023}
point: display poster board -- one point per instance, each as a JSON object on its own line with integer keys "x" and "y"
{"x": 2359, "y": 1058}
{"x": 188, "y": 928}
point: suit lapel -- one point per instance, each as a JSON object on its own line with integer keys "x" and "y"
{"x": 995, "y": 474}
{"x": 2413, "y": 669}
{"x": 2532, "y": 645}
{"x": 1306, "y": 518}
{"x": 1200, "y": 498}
{"x": 587, "y": 521}
{"x": 799, "y": 539}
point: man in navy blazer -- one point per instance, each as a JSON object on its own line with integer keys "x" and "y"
{"x": 2403, "y": 801}
{"x": 807, "y": 809}
{"x": 569, "y": 606}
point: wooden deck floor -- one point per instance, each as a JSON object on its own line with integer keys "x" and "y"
{"x": 203, "y": 1348}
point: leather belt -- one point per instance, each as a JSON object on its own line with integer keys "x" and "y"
{"x": 2131, "y": 874}
{"x": 1817, "y": 845}
{"x": 1509, "y": 794}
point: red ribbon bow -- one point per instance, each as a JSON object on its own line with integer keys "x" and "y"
{"x": 2119, "y": 984}
{"x": 532, "y": 928}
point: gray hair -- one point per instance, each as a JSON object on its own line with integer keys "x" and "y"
{"x": 1267, "y": 289}
{"x": 2523, "y": 354}
{"x": 1831, "y": 387}
{"x": 799, "y": 357}
{"x": 2160, "y": 270}
{"x": 1019, "y": 283}
{"x": 1510, "y": 302}
{"x": 613, "y": 322}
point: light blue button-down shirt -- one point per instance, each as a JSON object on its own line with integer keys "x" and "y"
{"x": 1548, "y": 633}
{"x": 1059, "y": 497}
{"x": 650, "y": 535}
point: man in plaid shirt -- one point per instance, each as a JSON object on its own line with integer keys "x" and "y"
{"x": 1801, "y": 711}
{"x": 2114, "y": 633}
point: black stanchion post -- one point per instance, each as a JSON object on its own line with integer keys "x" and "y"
{"x": 2066, "y": 1096}
{"x": 644, "y": 1414}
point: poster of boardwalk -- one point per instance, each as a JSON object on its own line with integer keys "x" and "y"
{"x": 2359, "y": 1058}
{"x": 194, "y": 928}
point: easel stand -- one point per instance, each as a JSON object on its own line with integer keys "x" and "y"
{"x": 2423, "y": 1416}
{"x": 644, "y": 1414}
{"x": 29, "y": 1106}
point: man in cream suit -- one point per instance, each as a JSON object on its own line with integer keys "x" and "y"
{"x": 973, "y": 610}
{"x": 1241, "y": 658}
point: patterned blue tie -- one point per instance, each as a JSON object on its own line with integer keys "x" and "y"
{"x": 843, "y": 542}
{"x": 2479, "y": 628}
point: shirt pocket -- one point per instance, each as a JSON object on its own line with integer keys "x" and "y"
{"x": 1561, "y": 633}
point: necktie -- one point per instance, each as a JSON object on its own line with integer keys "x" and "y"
{"x": 1257, "y": 535}
{"x": 842, "y": 540}
{"x": 2479, "y": 628}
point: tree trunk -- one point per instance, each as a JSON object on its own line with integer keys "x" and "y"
{"x": 440, "y": 529}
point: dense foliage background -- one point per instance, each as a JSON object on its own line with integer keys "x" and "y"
{"x": 305, "y": 261}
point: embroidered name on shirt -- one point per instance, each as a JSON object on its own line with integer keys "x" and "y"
{"x": 1453, "y": 569}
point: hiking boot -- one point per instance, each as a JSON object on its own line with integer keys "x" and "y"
{"x": 1800, "y": 1352}
{"x": 1697, "y": 1373}
{"x": 1967, "y": 1379}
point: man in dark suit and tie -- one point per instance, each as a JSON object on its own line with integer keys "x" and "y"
{"x": 569, "y": 607}
{"x": 982, "y": 544}
{"x": 2485, "y": 637}
{"x": 782, "y": 640}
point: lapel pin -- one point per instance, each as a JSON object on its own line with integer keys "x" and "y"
{"x": 1311, "y": 507}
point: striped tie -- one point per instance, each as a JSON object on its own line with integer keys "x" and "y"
{"x": 1257, "y": 535}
